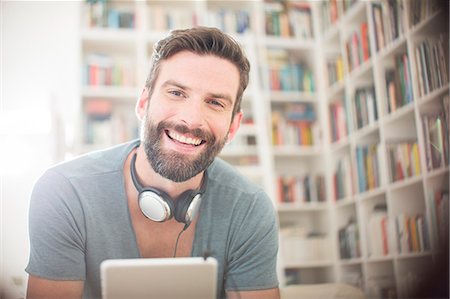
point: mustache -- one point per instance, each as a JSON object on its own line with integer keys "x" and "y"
{"x": 183, "y": 129}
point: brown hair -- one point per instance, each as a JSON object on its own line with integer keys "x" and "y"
{"x": 202, "y": 41}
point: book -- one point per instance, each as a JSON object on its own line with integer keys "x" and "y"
{"x": 378, "y": 231}
{"x": 378, "y": 26}
{"x": 301, "y": 189}
{"x": 431, "y": 57}
{"x": 357, "y": 47}
{"x": 338, "y": 120}
{"x": 436, "y": 136}
{"x": 365, "y": 106}
{"x": 403, "y": 160}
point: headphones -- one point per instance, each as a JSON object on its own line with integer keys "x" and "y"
{"x": 159, "y": 206}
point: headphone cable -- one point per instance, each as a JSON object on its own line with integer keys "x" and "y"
{"x": 178, "y": 238}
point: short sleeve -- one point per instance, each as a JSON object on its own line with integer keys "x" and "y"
{"x": 254, "y": 247}
{"x": 56, "y": 230}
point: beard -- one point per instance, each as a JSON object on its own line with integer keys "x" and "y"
{"x": 170, "y": 164}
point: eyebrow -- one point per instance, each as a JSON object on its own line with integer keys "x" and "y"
{"x": 210, "y": 94}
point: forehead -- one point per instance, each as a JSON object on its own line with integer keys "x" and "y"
{"x": 201, "y": 73}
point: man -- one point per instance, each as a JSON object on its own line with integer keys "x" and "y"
{"x": 101, "y": 205}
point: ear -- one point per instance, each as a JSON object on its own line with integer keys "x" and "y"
{"x": 142, "y": 103}
{"x": 235, "y": 124}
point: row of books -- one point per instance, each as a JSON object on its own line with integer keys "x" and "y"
{"x": 380, "y": 232}
{"x": 333, "y": 10}
{"x": 420, "y": 10}
{"x": 103, "y": 14}
{"x": 357, "y": 47}
{"x": 105, "y": 127}
{"x": 349, "y": 241}
{"x": 399, "y": 83}
{"x": 288, "y": 19}
{"x": 285, "y": 132}
{"x": 403, "y": 160}
{"x": 339, "y": 120}
{"x": 389, "y": 20}
{"x": 367, "y": 167}
{"x": 103, "y": 70}
{"x": 439, "y": 213}
{"x": 242, "y": 141}
{"x": 436, "y": 135}
{"x": 335, "y": 70}
{"x": 163, "y": 18}
{"x": 343, "y": 179}
{"x": 365, "y": 106}
{"x": 231, "y": 21}
{"x": 432, "y": 63}
{"x": 294, "y": 124}
{"x": 300, "y": 189}
{"x": 288, "y": 75}
{"x": 412, "y": 233}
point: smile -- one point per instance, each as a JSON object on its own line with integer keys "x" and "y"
{"x": 183, "y": 139}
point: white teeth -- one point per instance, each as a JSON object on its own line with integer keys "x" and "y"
{"x": 183, "y": 139}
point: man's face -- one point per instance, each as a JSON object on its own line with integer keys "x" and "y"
{"x": 188, "y": 118}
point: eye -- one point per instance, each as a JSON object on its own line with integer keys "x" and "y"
{"x": 176, "y": 93}
{"x": 218, "y": 104}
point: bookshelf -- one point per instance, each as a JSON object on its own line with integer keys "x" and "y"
{"x": 344, "y": 126}
{"x": 380, "y": 113}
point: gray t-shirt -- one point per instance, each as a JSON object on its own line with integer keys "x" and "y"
{"x": 79, "y": 217}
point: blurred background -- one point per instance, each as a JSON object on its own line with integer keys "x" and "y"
{"x": 345, "y": 127}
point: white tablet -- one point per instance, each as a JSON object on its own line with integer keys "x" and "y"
{"x": 159, "y": 278}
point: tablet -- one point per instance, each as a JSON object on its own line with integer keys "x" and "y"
{"x": 159, "y": 278}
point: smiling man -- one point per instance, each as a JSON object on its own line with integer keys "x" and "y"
{"x": 165, "y": 194}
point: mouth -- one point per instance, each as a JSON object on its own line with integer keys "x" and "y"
{"x": 192, "y": 141}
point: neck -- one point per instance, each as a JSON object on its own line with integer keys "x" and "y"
{"x": 149, "y": 178}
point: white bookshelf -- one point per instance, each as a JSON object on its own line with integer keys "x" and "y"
{"x": 254, "y": 151}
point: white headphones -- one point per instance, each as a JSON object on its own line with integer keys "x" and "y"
{"x": 159, "y": 206}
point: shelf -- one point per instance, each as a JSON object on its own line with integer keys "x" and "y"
{"x": 117, "y": 93}
{"x": 292, "y": 96}
{"x": 112, "y": 35}
{"x": 413, "y": 255}
{"x": 287, "y": 43}
{"x": 434, "y": 94}
{"x": 239, "y": 151}
{"x": 296, "y": 151}
{"x": 308, "y": 264}
{"x": 405, "y": 183}
{"x": 301, "y": 207}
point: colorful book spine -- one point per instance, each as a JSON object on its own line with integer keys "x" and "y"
{"x": 367, "y": 167}
{"x": 432, "y": 60}
{"x": 343, "y": 179}
{"x": 365, "y": 108}
{"x": 412, "y": 233}
{"x": 436, "y": 137}
{"x": 403, "y": 160}
{"x": 301, "y": 189}
{"x": 294, "y": 124}
{"x": 358, "y": 47}
{"x": 339, "y": 122}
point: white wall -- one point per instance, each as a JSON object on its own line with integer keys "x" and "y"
{"x": 39, "y": 75}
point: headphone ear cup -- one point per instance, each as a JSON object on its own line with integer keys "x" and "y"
{"x": 182, "y": 205}
{"x": 155, "y": 205}
{"x": 187, "y": 206}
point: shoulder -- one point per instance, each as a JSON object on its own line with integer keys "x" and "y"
{"x": 95, "y": 163}
{"x": 229, "y": 188}
{"x": 223, "y": 175}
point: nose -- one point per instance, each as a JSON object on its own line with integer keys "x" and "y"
{"x": 192, "y": 113}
